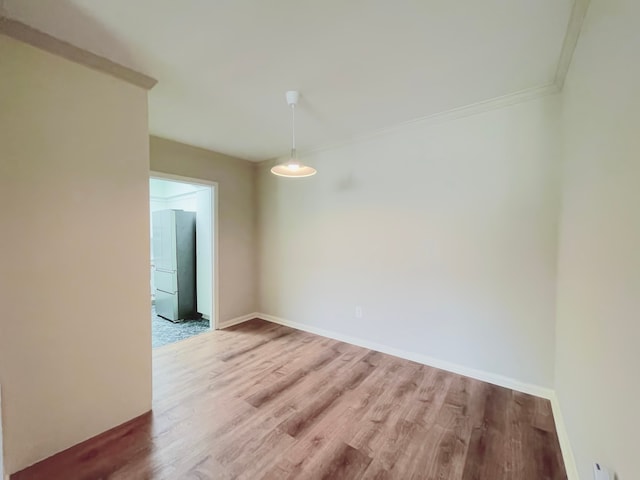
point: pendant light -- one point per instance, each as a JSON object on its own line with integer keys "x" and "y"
{"x": 292, "y": 167}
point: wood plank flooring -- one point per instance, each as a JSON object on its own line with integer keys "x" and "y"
{"x": 263, "y": 401}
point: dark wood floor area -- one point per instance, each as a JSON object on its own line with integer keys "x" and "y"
{"x": 263, "y": 401}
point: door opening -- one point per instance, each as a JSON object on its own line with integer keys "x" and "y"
{"x": 183, "y": 257}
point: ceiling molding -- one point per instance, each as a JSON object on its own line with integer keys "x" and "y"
{"x": 574, "y": 27}
{"x": 436, "y": 118}
{"x": 578, "y": 13}
{"x": 48, "y": 43}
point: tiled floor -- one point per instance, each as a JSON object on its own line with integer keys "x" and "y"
{"x": 164, "y": 332}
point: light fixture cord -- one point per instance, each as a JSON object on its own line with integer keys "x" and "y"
{"x": 293, "y": 130}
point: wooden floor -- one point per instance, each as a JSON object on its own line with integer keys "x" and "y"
{"x": 262, "y": 401}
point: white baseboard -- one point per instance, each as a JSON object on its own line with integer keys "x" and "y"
{"x": 500, "y": 380}
{"x": 237, "y": 320}
{"x": 488, "y": 377}
{"x": 563, "y": 437}
{"x": 495, "y": 379}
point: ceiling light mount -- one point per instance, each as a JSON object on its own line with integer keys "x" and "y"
{"x": 292, "y": 97}
{"x": 293, "y": 168}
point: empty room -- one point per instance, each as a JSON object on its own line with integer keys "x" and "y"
{"x": 378, "y": 240}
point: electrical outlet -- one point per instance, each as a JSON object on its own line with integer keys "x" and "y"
{"x": 358, "y": 312}
{"x": 601, "y": 472}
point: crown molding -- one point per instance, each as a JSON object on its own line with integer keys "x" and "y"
{"x": 574, "y": 27}
{"x": 436, "y": 118}
{"x": 27, "y": 34}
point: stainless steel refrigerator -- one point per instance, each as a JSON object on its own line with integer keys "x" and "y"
{"x": 174, "y": 252}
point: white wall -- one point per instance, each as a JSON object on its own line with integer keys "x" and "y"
{"x": 444, "y": 233}
{"x": 599, "y": 262}
{"x": 75, "y": 336}
{"x": 236, "y": 217}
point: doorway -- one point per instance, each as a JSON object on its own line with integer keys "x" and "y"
{"x": 183, "y": 257}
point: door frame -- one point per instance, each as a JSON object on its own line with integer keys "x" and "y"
{"x": 214, "y": 322}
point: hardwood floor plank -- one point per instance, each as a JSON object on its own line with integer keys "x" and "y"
{"x": 488, "y": 445}
{"x": 457, "y": 416}
{"x": 519, "y": 419}
{"x": 381, "y": 420}
{"x": 336, "y": 460}
{"x": 208, "y": 469}
{"x": 545, "y": 461}
{"x": 280, "y": 334}
{"x": 542, "y": 416}
{"x": 440, "y": 447}
{"x": 263, "y": 401}
{"x": 346, "y": 463}
{"x": 323, "y": 401}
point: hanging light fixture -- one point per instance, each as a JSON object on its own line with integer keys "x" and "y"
{"x": 293, "y": 167}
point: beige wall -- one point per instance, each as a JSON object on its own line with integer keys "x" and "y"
{"x": 445, "y": 234}
{"x": 236, "y": 217}
{"x": 599, "y": 262}
{"x": 75, "y": 342}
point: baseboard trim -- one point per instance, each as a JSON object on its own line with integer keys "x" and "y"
{"x": 495, "y": 379}
{"x": 500, "y": 380}
{"x": 484, "y": 376}
{"x": 563, "y": 437}
{"x": 237, "y": 320}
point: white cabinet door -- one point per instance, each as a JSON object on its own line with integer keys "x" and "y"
{"x": 164, "y": 240}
